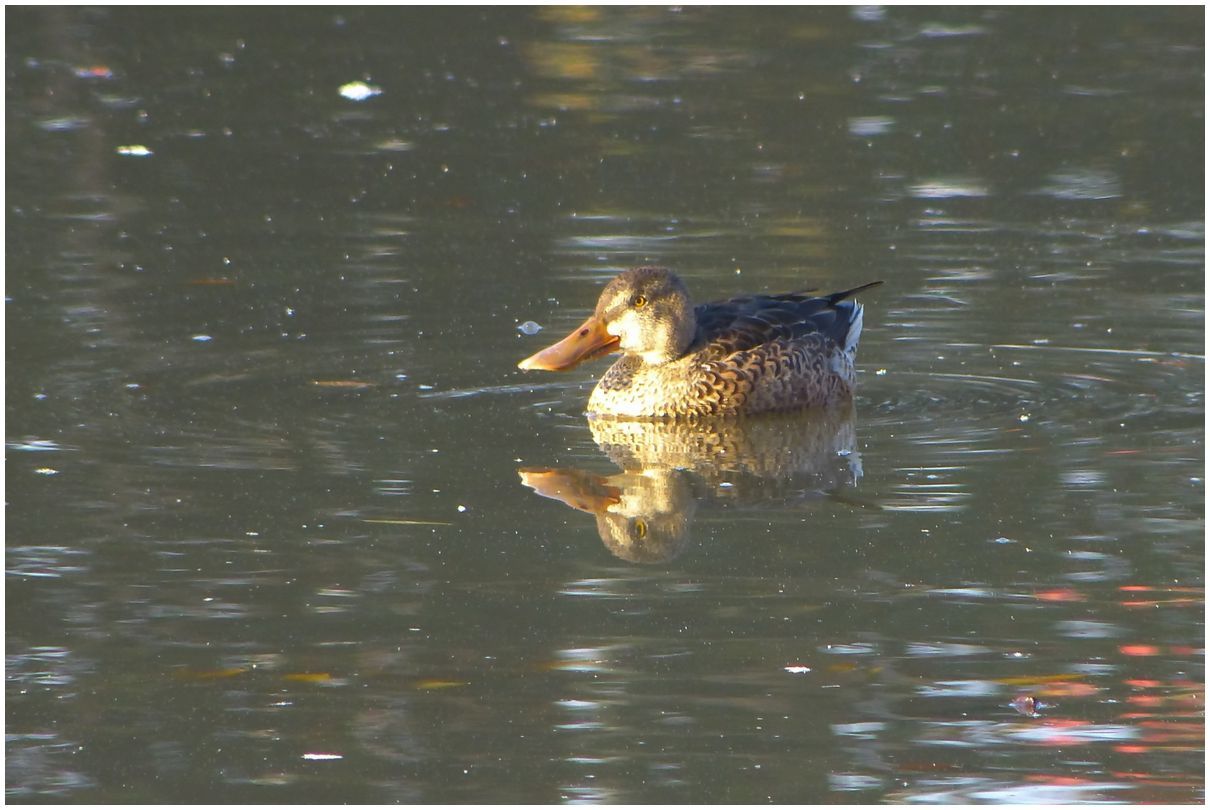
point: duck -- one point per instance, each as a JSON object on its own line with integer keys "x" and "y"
{"x": 746, "y": 355}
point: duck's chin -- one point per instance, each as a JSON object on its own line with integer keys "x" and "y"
{"x": 655, "y": 357}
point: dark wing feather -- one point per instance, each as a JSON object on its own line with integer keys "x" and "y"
{"x": 726, "y": 327}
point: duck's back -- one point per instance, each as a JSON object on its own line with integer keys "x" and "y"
{"x": 749, "y": 322}
{"x": 780, "y": 352}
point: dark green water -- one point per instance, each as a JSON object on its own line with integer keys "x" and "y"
{"x": 266, "y": 537}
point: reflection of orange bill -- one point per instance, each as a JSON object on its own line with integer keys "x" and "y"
{"x": 578, "y": 489}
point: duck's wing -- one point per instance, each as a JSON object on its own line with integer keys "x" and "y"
{"x": 741, "y": 324}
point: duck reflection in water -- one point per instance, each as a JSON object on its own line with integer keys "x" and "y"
{"x": 644, "y": 513}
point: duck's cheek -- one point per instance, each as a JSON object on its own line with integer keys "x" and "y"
{"x": 630, "y": 333}
{"x": 625, "y": 336}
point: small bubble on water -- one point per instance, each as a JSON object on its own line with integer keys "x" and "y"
{"x": 529, "y": 328}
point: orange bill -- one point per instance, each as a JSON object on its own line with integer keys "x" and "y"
{"x": 589, "y": 340}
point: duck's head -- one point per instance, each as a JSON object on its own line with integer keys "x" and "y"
{"x": 644, "y": 312}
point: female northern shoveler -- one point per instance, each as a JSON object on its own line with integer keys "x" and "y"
{"x": 748, "y": 355}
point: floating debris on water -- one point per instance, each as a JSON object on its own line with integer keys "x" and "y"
{"x": 359, "y": 91}
{"x": 1029, "y": 706}
{"x": 342, "y": 383}
{"x": 309, "y": 677}
{"x": 395, "y": 145}
{"x": 406, "y": 522}
{"x": 92, "y": 72}
{"x": 440, "y": 683}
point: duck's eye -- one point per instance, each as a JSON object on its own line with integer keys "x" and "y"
{"x": 640, "y": 528}
{"x": 639, "y": 301}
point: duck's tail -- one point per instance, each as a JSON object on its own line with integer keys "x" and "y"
{"x": 856, "y": 316}
{"x": 837, "y": 297}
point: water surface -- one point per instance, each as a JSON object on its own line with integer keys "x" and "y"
{"x": 269, "y": 534}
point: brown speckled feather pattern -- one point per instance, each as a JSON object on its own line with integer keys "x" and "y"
{"x": 753, "y": 354}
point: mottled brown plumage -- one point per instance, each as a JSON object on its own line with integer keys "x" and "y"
{"x": 753, "y": 354}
